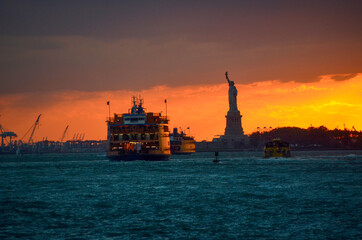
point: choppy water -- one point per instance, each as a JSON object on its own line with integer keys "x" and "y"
{"x": 314, "y": 195}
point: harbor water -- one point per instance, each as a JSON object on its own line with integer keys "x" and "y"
{"x": 313, "y": 195}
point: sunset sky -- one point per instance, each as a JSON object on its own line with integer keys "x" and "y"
{"x": 295, "y": 63}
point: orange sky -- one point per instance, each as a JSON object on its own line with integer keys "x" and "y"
{"x": 202, "y": 108}
{"x": 65, "y": 60}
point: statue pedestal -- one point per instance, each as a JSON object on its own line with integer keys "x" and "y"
{"x": 234, "y": 130}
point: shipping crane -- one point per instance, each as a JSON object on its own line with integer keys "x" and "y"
{"x": 4, "y": 134}
{"x": 75, "y": 137}
{"x": 65, "y": 131}
{"x": 32, "y": 132}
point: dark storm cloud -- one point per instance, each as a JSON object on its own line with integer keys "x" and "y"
{"x": 245, "y": 21}
{"x": 37, "y": 43}
{"x": 102, "y": 45}
{"x": 344, "y": 77}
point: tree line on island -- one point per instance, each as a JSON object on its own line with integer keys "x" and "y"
{"x": 310, "y": 138}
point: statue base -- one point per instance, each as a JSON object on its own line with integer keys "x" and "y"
{"x": 234, "y": 139}
{"x": 234, "y": 130}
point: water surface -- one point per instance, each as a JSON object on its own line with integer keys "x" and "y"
{"x": 313, "y": 195}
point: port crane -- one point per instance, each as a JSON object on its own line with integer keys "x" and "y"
{"x": 33, "y": 127}
{"x": 78, "y": 136}
{"x": 75, "y": 136}
{"x": 65, "y": 131}
{"x": 4, "y": 134}
{"x": 32, "y": 132}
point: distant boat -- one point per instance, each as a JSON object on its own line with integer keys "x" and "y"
{"x": 181, "y": 143}
{"x": 138, "y": 135}
{"x": 276, "y": 148}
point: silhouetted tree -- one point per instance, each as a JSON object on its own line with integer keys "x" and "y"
{"x": 312, "y": 137}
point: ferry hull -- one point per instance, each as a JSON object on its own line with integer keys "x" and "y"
{"x": 145, "y": 157}
{"x": 182, "y": 153}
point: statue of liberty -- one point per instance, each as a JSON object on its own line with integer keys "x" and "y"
{"x": 232, "y": 95}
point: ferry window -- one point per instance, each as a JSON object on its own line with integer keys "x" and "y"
{"x": 152, "y": 136}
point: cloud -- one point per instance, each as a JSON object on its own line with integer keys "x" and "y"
{"x": 31, "y": 43}
{"x": 84, "y": 64}
{"x": 233, "y": 21}
{"x": 343, "y": 77}
{"x": 101, "y": 46}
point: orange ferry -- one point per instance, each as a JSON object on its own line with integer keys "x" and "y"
{"x": 138, "y": 135}
{"x": 181, "y": 143}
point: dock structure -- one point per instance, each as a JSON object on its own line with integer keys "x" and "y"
{"x": 11, "y": 145}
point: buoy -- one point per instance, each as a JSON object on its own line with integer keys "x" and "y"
{"x": 216, "y": 160}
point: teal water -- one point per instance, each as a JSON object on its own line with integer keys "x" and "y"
{"x": 313, "y": 195}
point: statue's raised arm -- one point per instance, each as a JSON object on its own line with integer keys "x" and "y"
{"x": 227, "y": 77}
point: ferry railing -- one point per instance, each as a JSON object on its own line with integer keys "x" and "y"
{"x": 164, "y": 119}
{"x": 110, "y": 119}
